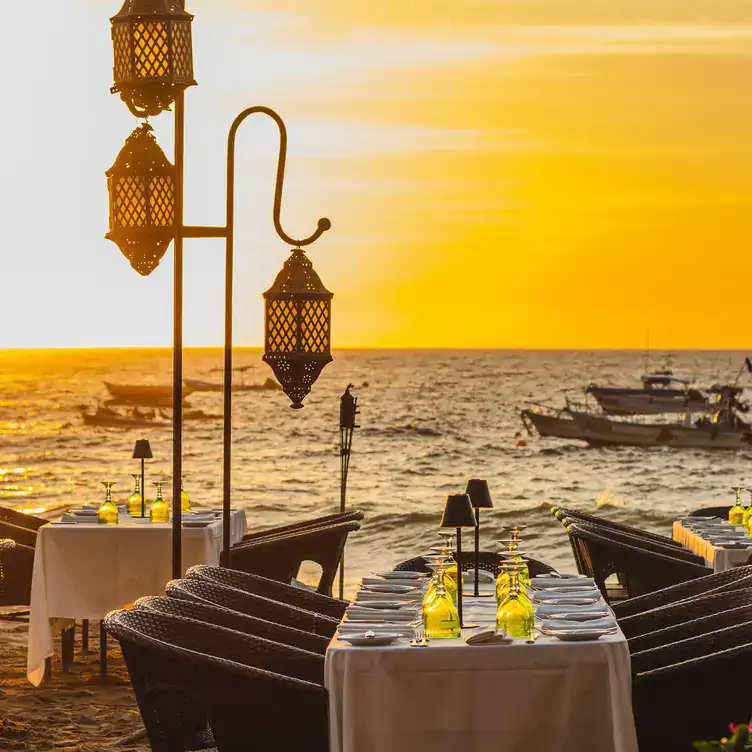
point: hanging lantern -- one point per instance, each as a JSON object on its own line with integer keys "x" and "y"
{"x": 141, "y": 184}
{"x": 153, "y": 54}
{"x": 298, "y": 327}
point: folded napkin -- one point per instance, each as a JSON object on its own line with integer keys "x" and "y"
{"x": 542, "y": 583}
{"x": 358, "y": 613}
{"x": 489, "y": 637}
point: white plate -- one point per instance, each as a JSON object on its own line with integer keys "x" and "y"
{"x": 197, "y": 523}
{"x": 359, "y": 613}
{"x": 401, "y": 575}
{"x": 543, "y": 583}
{"x": 562, "y": 624}
{"x": 569, "y": 600}
{"x": 351, "y": 627}
{"x": 580, "y": 635}
{"x": 573, "y": 613}
{"x": 369, "y": 638}
{"x": 383, "y": 605}
{"x": 562, "y": 576}
{"x": 386, "y": 587}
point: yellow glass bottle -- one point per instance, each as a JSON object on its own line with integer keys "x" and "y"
{"x": 185, "y": 500}
{"x": 442, "y": 621}
{"x": 514, "y": 616}
{"x": 450, "y": 581}
{"x": 159, "y": 510}
{"x": 134, "y": 500}
{"x": 748, "y": 513}
{"x": 108, "y": 511}
{"x": 736, "y": 513}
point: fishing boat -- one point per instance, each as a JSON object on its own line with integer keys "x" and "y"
{"x": 197, "y": 385}
{"x": 721, "y": 428}
{"x": 107, "y": 417}
{"x": 143, "y": 395}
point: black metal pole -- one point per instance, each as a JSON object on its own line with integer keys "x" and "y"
{"x": 459, "y": 574}
{"x": 177, "y": 350}
{"x": 143, "y": 489}
{"x": 477, "y": 549}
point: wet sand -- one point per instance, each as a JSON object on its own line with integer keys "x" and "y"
{"x": 75, "y": 712}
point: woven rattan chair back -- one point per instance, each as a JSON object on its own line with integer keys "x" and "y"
{"x": 718, "y": 582}
{"x": 17, "y": 565}
{"x": 574, "y": 515}
{"x": 280, "y": 557}
{"x": 225, "y": 617}
{"x": 22, "y": 535}
{"x": 212, "y": 592}
{"x": 19, "y": 519}
{"x": 721, "y": 512}
{"x": 330, "y": 519}
{"x": 487, "y": 561}
{"x": 196, "y": 683}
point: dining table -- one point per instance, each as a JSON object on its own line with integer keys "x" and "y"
{"x": 540, "y": 694}
{"x": 84, "y": 570}
{"x": 718, "y": 557}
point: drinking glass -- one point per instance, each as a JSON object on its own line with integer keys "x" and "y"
{"x": 108, "y": 511}
{"x": 515, "y": 616}
{"x": 441, "y": 616}
{"x": 134, "y": 500}
{"x": 185, "y": 500}
{"x": 736, "y": 513}
{"x": 159, "y": 511}
{"x": 436, "y": 563}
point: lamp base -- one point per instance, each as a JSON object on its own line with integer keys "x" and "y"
{"x": 470, "y": 626}
{"x": 471, "y": 594}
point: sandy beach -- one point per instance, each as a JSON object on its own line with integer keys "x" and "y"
{"x": 75, "y": 712}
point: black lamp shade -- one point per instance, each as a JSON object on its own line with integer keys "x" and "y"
{"x": 480, "y": 496}
{"x": 142, "y": 450}
{"x": 458, "y": 512}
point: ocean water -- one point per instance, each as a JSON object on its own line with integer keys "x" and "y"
{"x": 429, "y": 421}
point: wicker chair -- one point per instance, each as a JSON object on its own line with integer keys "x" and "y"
{"x": 677, "y": 613}
{"x": 207, "y": 591}
{"x": 640, "y": 570}
{"x": 29, "y": 521}
{"x": 277, "y": 591}
{"x": 574, "y": 515}
{"x": 662, "y": 696}
{"x": 225, "y": 617}
{"x": 720, "y": 582}
{"x": 329, "y": 519}
{"x": 699, "y": 625}
{"x": 280, "y": 557}
{"x": 487, "y": 561}
{"x": 198, "y": 684}
{"x": 721, "y": 512}
{"x": 22, "y": 535}
{"x": 16, "y": 568}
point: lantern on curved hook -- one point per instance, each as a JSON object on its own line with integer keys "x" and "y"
{"x": 141, "y": 184}
{"x": 153, "y": 54}
{"x": 297, "y": 339}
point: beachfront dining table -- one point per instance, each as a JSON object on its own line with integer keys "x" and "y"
{"x": 550, "y": 696}
{"x": 720, "y": 559}
{"x": 85, "y": 570}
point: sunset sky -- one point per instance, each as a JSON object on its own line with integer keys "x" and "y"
{"x": 499, "y": 173}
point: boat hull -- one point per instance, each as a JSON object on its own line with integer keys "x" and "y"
{"x": 121, "y": 421}
{"x": 136, "y": 394}
{"x": 646, "y": 401}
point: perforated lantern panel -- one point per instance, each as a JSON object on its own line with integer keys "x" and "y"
{"x": 153, "y": 54}
{"x": 298, "y": 327}
{"x": 141, "y": 185}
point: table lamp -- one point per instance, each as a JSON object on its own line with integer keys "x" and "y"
{"x": 458, "y": 513}
{"x": 142, "y": 451}
{"x": 480, "y": 498}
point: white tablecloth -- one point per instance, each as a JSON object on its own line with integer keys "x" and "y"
{"x": 720, "y": 559}
{"x": 451, "y": 697}
{"x": 83, "y": 571}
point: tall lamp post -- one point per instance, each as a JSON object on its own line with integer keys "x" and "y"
{"x": 153, "y": 59}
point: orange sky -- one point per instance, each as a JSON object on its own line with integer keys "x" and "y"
{"x": 526, "y": 173}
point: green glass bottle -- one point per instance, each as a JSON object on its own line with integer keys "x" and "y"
{"x": 736, "y": 513}
{"x": 134, "y": 500}
{"x": 108, "y": 511}
{"x": 159, "y": 510}
{"x": 514, "y": 616}
{"x": 185, "y": 500}
{"x": 442, "y": 621}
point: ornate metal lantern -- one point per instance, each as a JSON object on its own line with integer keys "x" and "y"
{"x": 141, "y": 184}
{"x": 153, "y": 54}
{"x": 298, "y": 327}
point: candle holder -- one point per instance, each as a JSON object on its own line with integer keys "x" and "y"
{"x": 142, "y": 451}
{"x": 480, "y": 498}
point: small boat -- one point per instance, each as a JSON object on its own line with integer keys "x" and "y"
{"x": 210, "y": 386}
{"x": 143, "y": 394}
{"x": 106, "y": 416}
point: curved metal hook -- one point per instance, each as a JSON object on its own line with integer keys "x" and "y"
{"x": 323, "y": 224}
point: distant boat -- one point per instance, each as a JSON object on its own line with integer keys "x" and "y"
{"x": 143, "y": 394}
{"x": 106, "y": 416}
{"x": 195, "y": 385}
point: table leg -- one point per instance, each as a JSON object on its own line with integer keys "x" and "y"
{"x": 67, "y": 638}
{"x": 47, "y": 669}
{"x": 85, "y": 636}
{"x": 102, "y": 651}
